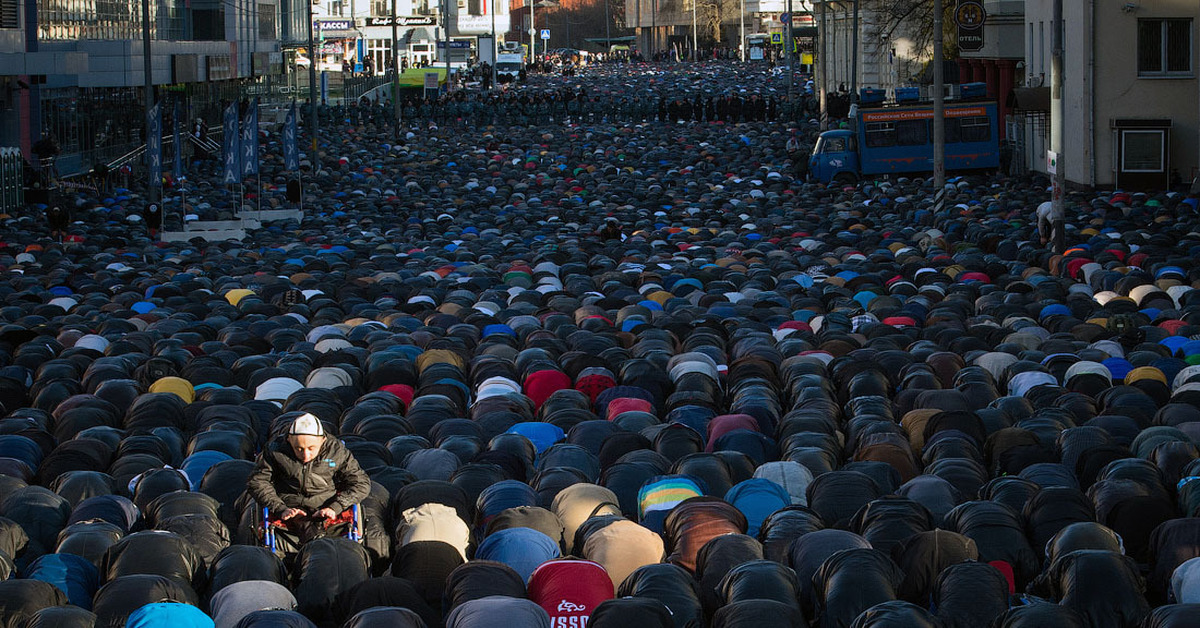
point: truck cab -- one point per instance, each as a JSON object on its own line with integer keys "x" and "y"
{"x": 508, "y": 66}
{"x": 835, "y": 157}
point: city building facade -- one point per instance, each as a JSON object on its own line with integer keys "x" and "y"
{"x": 73, "y": 70}
{"x": 888, "y": 55}
{"x": 995, "y": 55}
{"x": 1131, "y": 115}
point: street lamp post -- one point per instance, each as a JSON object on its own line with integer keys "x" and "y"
{"x": 532, "y": 33}
{"x": 545, "y": 4}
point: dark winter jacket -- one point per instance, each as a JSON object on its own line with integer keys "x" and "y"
{"x": 332, "y": 480}
{"x": 1104, "y": 587}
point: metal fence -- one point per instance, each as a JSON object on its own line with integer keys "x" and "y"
{"x": 12, "y": 180}
{"x": 353, "y": 88}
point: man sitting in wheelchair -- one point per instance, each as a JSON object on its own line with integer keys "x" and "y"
{"x": 307, "y": 484}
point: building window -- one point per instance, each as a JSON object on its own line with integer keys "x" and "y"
{"x": 380, "y": 53}
{"x": 912, "y": 133}
{"x": 1142, "y": 151}
{"x": 880, "y": 135}
{"x": 208, "y": 24}
{"x": 953, "y": 130}
{"x": 976, "y": 129}
{"x": 169, "y": 20}
{"x": 9, "y": 16}
{"x": 61, "y": 20}
{"x": 266, "y": 21}
{"x": 381, "y": 8}
{"x": 1164, "y": 47}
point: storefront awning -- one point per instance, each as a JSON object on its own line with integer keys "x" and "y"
{"x": 419, "y": 33}
{"x": 415, "y": 77}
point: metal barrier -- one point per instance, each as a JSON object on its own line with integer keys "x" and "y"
{"x": 12, "y": 180}
{"x": 353, "y": 88}
{"x": 208, "y": 144}
{"x": 133, "y": 157}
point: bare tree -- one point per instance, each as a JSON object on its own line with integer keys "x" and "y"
{"x": 584, "y": 19}
{"x": 616, "y": 9}
{"x": 711, "y": 14}
{"x": 914, "y": 18}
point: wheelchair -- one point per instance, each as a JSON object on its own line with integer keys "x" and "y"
{"x": 269, "y": 529}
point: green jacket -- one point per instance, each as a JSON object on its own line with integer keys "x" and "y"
{"x": 332, "y": 480}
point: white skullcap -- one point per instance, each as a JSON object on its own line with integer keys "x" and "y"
{"x": 306, "y": 425}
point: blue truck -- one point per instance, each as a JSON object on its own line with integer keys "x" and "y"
{"x": 898, "y": 140}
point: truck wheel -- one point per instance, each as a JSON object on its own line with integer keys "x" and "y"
{"x": 845, "y": 178}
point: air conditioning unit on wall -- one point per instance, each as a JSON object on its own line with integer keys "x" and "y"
{"x": 949, "y": 91}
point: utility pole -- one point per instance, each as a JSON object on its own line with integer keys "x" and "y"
{"x": 495, "y": 83}
{"x": 939, "y": 108}
{"x": 638, "y": 30}
{"x": 147, "y": 68}
{"x": 608, "y": 20}
{"x": 654, "y": 29}
{"x": 446, "y": 27}
{"x": 854, "y": 56}
{"x": 742, "y": 31}
{"x": 532, "y": 33}
{"x": 254, "y": 37}
{"x": 1059, "y": 178}
{"x": 823, "y": 84}
{"x": 395, "y": 70}
{"x": 788, "y": 47}
{"x": 313, "y": 59}
{"x": 695, "y": 41}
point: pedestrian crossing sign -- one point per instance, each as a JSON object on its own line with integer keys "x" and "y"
{"x": 777, "y": 38}
{"x": 545, "y": 33}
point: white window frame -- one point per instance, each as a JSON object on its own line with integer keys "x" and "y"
{"x": 1162, "y": 147}
{"x": 380, "y": 52}
{"x": 1163, "y": 53}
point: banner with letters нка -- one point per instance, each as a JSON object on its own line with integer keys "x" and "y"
{"x": 250, "y": 141}
{"x": 154, "y": 145}
{"x": 291, "y": 153}
{"x": 176, "y": 137}
{"x": 229, "y": 147}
